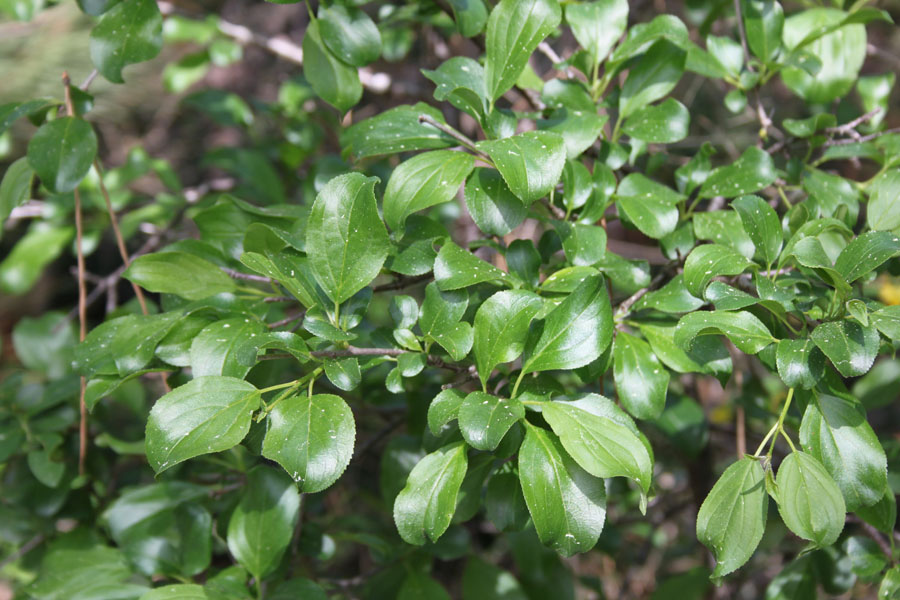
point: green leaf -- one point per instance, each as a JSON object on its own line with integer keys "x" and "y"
{"x": 419, "y": 586}
{"x": 426, "y": 504}
{"x": 578, "y": 128}
{"x": 708, "y": 261}
{"x": 600, "y": 445}
{"x": 662, "y": 123}
{"x": 504, "y": 503}
{"x": 130, "y": 32}
{"x": 514, "y": 30}
{"x": 753, "y": 171}
{"x": 483, "y": 581}
{"x": 584, "y": 245}
{"x": 15, "y": 187}
{"x": 598, "y": 25}
{"x": 810, "y": 253}
{"x": 809, "y": 501}
{"x": 349, "y": 34}
{"x": 808, "y": 127}
{"x": 732, "y": 519}
{"x": 707, "y": 354}
{"x": 493, "y": 207}
{"x": 345, "y": 239}
{"x": 312, "y": 438}
{"x": 334, "y": 81}
{"x": 22, "y": 267}
{"x": 851, "y": 347}
{"x": 641, "y": 380}
{"x": 762, "y": 225}
{"x": 723, "y": 227}
{"x": 887, "y": 321}
{"x": 743, "y": 329}
{"x": 501, "y": 326}
{"x": 180, "y": 591}
{"x": 531, "y": 163}
{"x": 455, "y": 268}
{"x": 655, "y": 217}
{"x": 866, "y": 253}
{"x": 207, "y": 414}
{"x": 262, "y": 524}
{"x": 396, "y": 130}
{"x": 290, "y": 270}
{"x": 484, "y": 419}
{"x": 179, "y": 273}
{"x": 460, "y": 81}
{"x": 882, "y": 213}
{"x": 440, "y": 317}
{"x": 470, "y": 15}
{"x": 671, "y": 298}
{"x": 122, "y": 345}
{"x": 655, "y": 75}
{"x": 800, "y": 363}
{"x": 834, "y": 430}
{"x": 220, "y": 348}
{"x": 443, "y": 409}
{"x": 574, "y": 333}
{"x": 567, "y": 504}
{"x": 13, "y": 111}
{"x": 883, "y": 514}
{"x": 424, "y": 180}
{"x": 61, "y": 152}
{"x": 764, "y": 22}
{"x": 890, "y": 584}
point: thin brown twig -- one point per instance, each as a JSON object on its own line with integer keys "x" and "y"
{"x": 246, "y": 276}
{"x": 849, "y": 128}
{"x": 287, "y": 320}
{"x": 862, "y": 139}
{"x": 23, "y": 550}
{"x": 401, "y": 282}
{"x": 465, "y": 141}
{"x": 82, "y": 296}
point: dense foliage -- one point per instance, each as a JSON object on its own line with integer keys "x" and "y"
{"x": 438, "y": 348}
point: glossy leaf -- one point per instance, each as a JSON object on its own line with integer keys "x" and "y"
{"x": 179, "y": 273}
{"x": 444, "y": 408}
{"x": 346, "y": 241}
{"x": 396, "y": 130}
{"x": 641, "y": 380}
{"x": 567, "y": 504}
{"x": 493, "y": 207}
{"x": 834, "y": 430}
{"x": 15, "y": 187}
{"x": 531, "y": 163}
{"x": 207, "y": 414}
{"x": 460, "y": 81}
{"x": 219, "y": 349}
{"x": 882, "y": 212}
{"x": 574, "y": 333}
{"x": 484, "y": 419}
{"x": 655, "y": 75}
{"x": 753, "y": 171}
{"x": 501, "y": 326}
{"x": 866, "y": 253}
{"x": 424, "y": 180}
{"x": 764, "y": 22}
{"x": 483, "y": 581}
{"x": 887, "y": 321}
{"x": 426, "y": 504}
{"x": 849, "y": 346}
{"x": 61, "y": 152}
{"x": 762, "y": 225}
{"x": 130, "y": 32}
{"x": 743, "y": 329}
{"x": 454, "y": 269}
{"x": 262, "y": 524}
{"x": 312, "y": 437}
{"x": 708, "y": 261}
{"x": 809, "y": 501}
{"x": 336, "y": 82}
{"x": 800, "y": 363}
{"x": 598, "y": 25}
{"x": 732, "y": 518}
{"x": 662, "y": 123}
{"x": 349, "y": 34}
{"x": 514, "y": 30}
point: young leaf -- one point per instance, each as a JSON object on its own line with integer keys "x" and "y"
{"x": 501, "y": 325}
{"x": 641, "y": 380}
{"x": 575, "y": 333}
{"x": 809, "y": 501}
{"x": 567, "y": 504}
{"x": 493, "y": 207}
{"x": 851, "y": 347}
{"x": 531, "y": 163}
{"x": 800, "y": 363}
{"x": 130, "y": 32}
{"x": 484, "y": 419}
{"x": 753, "y": 171}
{"x": 61, "y": 152}
{"x": 179, "y": 273}
{"x": 443, "y": 409}
{"x": 866, "y": 253}
{"x": 598, "y": 25}
{"x": 424, "y": 180}
{"x": 514, "y": 30}
{"x": 834, "y": 430}
{"x": 454, "y": 269}
{"x": 762, "y": 225}
{"x": 262, "y": 524}
{"x": 345, "y": 239}
{"x": 708, "y": 261}
{"x": 427, "y": 503}
{"x": 460, "y": 81}
{"x": 336, "y": 82}
{"x": 600, "y": 445}
{"x": 743, "y": 329}
{"x": 732, "y": 519}
{"x": 207, "y": 414}
{"x": 350, "y": 34}
{"x": 312, "y": 438}
{"x": 655, "y": 75}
